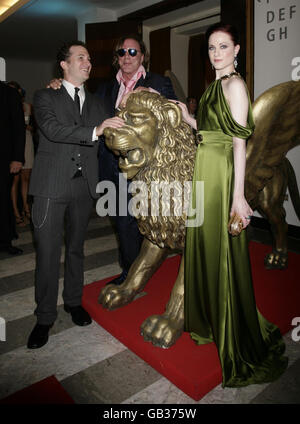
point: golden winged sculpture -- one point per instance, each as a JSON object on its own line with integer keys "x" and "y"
{"x": 156, "y": 147}
{"x": 269, "y": 172}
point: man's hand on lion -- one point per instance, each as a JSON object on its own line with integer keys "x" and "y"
{"x": 114, "y": 122}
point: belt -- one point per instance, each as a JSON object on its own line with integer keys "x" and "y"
{"x": 78, "y": 173}
{"x": 213, "y": 137}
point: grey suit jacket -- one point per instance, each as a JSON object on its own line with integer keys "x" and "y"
{"x": 65, "y": 138}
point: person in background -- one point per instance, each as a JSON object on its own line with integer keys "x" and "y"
{"x": 12, "y": 142}
{"x": 192, "y": 106}
{"x": 23, "y": 218}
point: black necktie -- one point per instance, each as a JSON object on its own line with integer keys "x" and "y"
{"x": 76, "y": 98}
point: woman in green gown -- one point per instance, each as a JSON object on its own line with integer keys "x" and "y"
{"x": 219, "y": 298}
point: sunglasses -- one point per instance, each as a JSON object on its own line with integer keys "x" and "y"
{"x": 131, "y": 52}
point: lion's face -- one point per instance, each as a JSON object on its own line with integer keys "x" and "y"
{"x": 135, "y": 141}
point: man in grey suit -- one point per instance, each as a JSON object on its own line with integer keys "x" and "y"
{"x": 63, "y": 183}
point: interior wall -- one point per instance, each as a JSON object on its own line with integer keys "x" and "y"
{"x": 2, "y": 69}
{"x": 184, "y": 22}
{"x": 99, "y": 14}
{"x": 276, "y": 60}
{"x": 31, "y": 75}
{"x": 179, "y": 58}
{"x": 94, "y": 16}
{"x": 276, "y": 38}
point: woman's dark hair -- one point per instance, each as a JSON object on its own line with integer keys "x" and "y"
{"x": 17, "y": 86}
{"x": 228, "y": 28}
{"x": 14, "y": 84}
{"x": 142, "y": 45}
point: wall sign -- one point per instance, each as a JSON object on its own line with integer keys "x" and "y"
{"x": 277, "y": 59}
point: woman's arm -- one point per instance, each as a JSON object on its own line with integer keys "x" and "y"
{"x": 185, "y": 114}
{"x": 237, "y": 98}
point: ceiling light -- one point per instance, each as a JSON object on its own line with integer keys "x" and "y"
{"x": 8, "y": 7}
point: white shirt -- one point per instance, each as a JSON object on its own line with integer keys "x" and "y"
{"x": 81, "y": 93}
{"x": 71, "y": 91}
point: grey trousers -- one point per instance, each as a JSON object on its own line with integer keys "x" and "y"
{"x": 50, "y": 217}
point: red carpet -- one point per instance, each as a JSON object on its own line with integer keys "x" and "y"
{"x": 47, "y": 391}
{"x": 194, "y": 369}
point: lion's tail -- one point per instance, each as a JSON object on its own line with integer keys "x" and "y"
{"x": 293, "y": 187}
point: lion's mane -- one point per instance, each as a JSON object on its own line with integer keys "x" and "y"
{"x": 173, "y": 160}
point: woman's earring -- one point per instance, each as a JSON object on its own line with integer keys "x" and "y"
{"x": 212, "y": 67}
{"x": 235, "y": 62}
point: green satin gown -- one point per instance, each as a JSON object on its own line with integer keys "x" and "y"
{"x": 219, "y": 298}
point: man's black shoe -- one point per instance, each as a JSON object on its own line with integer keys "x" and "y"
{"x": 118, "y": 280}
{"x": 12, "y": 250}
{"x": 79, "y": 315}
{"x": 39, "y": 336}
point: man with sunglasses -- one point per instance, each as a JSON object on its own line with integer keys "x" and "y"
{"x": 131, "y": 60}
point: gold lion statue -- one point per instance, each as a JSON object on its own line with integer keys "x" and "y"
{"x": 156, "y": 147}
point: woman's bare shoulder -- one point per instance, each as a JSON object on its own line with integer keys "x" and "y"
{"x": 235, "y": 83}
{"x": 235, "y": 87}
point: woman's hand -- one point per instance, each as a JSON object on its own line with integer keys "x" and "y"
{"x": 185, "y": 114}
{"x": 240, "y": 207}
{"x": 15, "y": 167}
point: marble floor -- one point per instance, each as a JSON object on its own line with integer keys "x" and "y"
{"x": 93, "y": 366}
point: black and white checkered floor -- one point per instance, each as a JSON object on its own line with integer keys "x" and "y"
{"x": 92, "y": 365}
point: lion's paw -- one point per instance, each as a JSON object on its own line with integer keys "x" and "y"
{"x": 276, "y": 260}
{"x": 113, "y": 297}
{"x": 161, "y": 331}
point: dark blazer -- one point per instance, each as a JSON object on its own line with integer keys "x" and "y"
{"x": 108, "y": 93}
{"x": 12, "y": 125}
{"x": 65, "y": 139}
